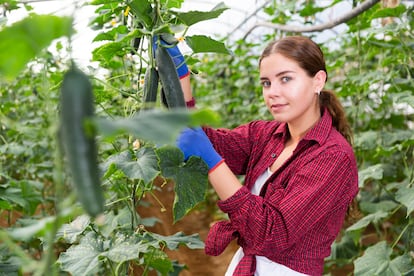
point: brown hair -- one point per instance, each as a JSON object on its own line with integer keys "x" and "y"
{"x": 310, "y": 58}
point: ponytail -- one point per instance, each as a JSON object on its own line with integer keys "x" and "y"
{"x": 329, "y": 100}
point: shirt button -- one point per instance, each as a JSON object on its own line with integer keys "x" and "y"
{"x": 273, "y": 155}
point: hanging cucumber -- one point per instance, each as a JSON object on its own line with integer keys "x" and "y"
{"x": 77, "y": 106}
{"x": 169, "y": 79}
{"x": 151, "y": 86}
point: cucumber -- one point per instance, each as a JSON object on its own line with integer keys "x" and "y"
{"x": 151, "y": 86}
{"x": 79, "y": 145}
{"x": 169, "y": 79}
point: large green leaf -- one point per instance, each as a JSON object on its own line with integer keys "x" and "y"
{"x": 159, "y": 260}
{"x": 31, "y": 228}
{"x": 106, "y": 52}
{"x": 366, "y": 140}
{"x": 173, "y": 242}
{"x": 71, "y": 231}
{"x": 372, "y": 172}
{"x": 123, "y": 250}
{"x": 158, "y": 126}
{"x": 405, "y": 195}
{"x": 190, "y": 179}
{"x": 24, "y": 40}
{"x": 144, "y": 165}
{"x": 83, "y": 259}
{"x": 377, "y": 261}
{"x": 371, "y": 218}
{"x": 205, "y": 44}
{"x": 143, "y": 11}
{"x": 193, "y": 17}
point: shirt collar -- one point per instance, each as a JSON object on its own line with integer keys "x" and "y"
{"x": 318, "y": 133}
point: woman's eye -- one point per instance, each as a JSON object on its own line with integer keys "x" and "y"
{"x": 286, "y": 79}
{"x": 265, "y": 83}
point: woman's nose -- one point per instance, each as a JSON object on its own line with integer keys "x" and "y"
{"x": 271, "y": 91}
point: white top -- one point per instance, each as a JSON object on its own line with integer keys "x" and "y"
{"x": 264, "y": 266}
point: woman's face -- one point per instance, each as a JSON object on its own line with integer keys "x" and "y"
{"x": 289, "y": 93}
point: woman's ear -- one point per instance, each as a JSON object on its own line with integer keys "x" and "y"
{"x": 319, "y": 80}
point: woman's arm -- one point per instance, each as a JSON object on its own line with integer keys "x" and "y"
{"x": 224, "y": 182}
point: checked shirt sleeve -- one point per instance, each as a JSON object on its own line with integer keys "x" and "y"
{"x": 233, "y": 145}
{"x": 308, "y": 212}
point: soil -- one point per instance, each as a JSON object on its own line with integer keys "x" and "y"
{"x": 197, "y": 221}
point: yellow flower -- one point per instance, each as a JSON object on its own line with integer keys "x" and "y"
{"x": 126, "y": 12}
{"x": 141, "y": 81}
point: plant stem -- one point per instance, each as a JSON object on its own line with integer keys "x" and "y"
{"x": 401, "y": 234}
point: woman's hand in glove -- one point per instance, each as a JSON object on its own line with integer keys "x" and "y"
{"x": 194, "y": 142}
{"x": 175, "y": 54}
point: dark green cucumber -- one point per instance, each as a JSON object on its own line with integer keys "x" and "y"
{"x": 169, "y": 79}
{"x": 151, "y": 86}
{"x": 77, "y": 106}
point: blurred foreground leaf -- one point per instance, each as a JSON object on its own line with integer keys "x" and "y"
{"x": 24, "y": 40}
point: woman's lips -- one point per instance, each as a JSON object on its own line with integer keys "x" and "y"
{"x": 277, "y": 107}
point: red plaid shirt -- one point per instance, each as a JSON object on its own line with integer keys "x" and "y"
{"x": 301, "y": 207}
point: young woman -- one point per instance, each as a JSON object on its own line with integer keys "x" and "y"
{"x": 300, "y": 170}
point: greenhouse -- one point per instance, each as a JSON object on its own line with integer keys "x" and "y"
{"x": 155, "y": 137}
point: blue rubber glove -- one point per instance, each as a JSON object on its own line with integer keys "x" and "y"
{"x": 175, "y": 54}
{"x": 194, "y": 142}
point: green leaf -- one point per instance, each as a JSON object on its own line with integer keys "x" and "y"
{"x": 190, "y": 179}
{"x": 24, "y": 40}
{"x": 205, "y": 44}
{"x": 193, "y": 17}
{"x": 82, "y": 259}
{"x": 405, "y": 97}
{"x": 123, "y": 250}
{"x": 371, "y": 218}
{"x": 389, "y": 12}
{"x": 402, "y": 265}
{"x": 372, "y": 172}
{"x": 111, "y": 35}
{"x": 158, "y": 126}
{"x": 204, "y": 116}
{"x": 375, "y": 261}
{"x": 169, "y": 4}
{"x": 106, "y": 52}
{"x": 159, "y": 260}
{"x": 173, "y": 242}
{"x": 24, "y": 193}
{"x": 71, "y": 231}
{"x": 372, "y": 207}
{"x": 143, "y": 11}
{"x": 310, "y": 9}
{"x": 366, "y": 140}
{"x": 144, "y": 165}
{"x": 32, "y": 228}
{"x": 343, "y": 249}
{"x": 405, "y": 195}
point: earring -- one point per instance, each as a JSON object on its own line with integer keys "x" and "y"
{"x": 318, "y": 92}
